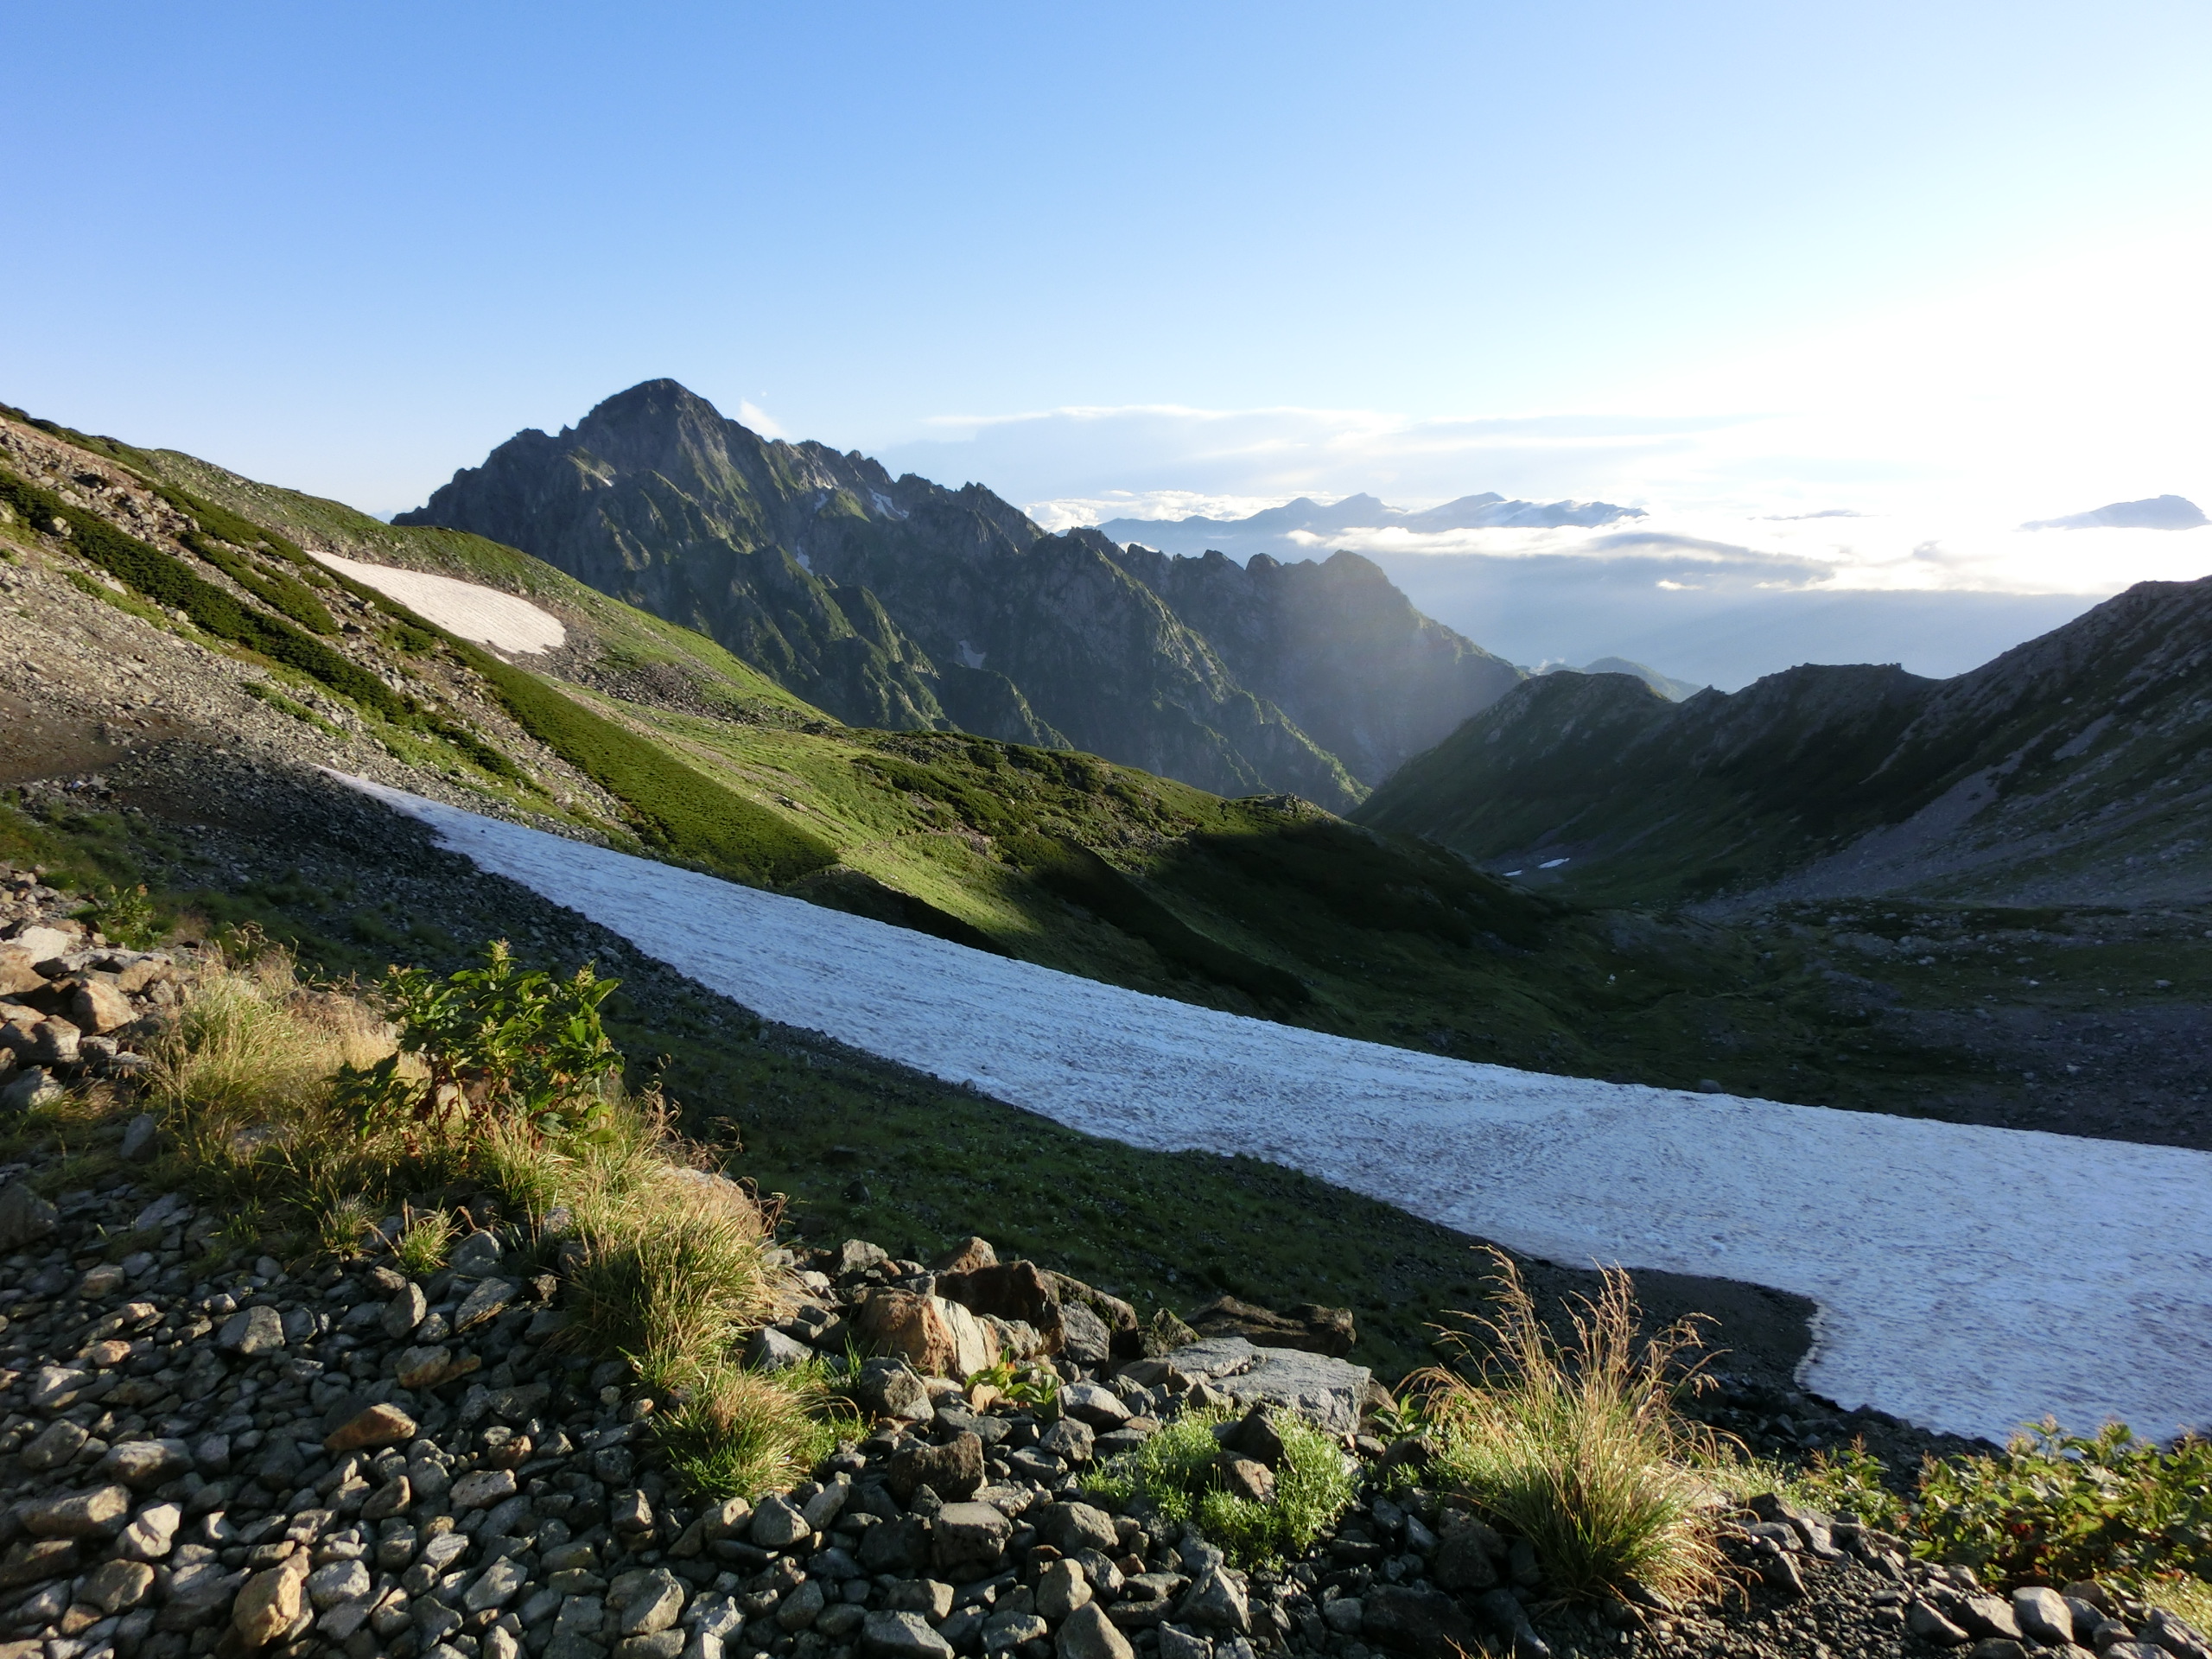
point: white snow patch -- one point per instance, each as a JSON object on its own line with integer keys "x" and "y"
{"x": 1968, "y": 1278}
{"x": 472, "y": 611}
{"x": 1551, "y": 863}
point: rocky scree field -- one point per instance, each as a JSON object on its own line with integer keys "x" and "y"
{"x": 404, "y": 1435}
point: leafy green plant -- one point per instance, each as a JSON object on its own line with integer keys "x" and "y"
{"x": 1580, "y": 1445}
{"x": 1177, "y": 1471}
{"x": 2054, "y": 1507}
{"x": 1849, "y": 1481}
{"x": 126, "y": 916}
{"x": 1023, "y": 1384}
{"x": 501, "y": 1040}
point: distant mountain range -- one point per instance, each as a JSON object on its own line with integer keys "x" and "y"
{"x": 899, "y": 603}
{"x": 2153, "y": 512}
{"x": 1274, "y": 530}
{"x": 1666, "y": 685}
{"x": 2076, "y": 767}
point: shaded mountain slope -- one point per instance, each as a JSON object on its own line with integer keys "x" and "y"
{"x": 1334, "y": 646}
{"x": 890, "y": 602}
{"x": 2078, "y": 765}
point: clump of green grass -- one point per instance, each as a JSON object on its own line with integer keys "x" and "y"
{"x": 737, "y": 1432}
{"x": 1580, "y": 1445}
{"x": 424, "y": 1241}
{"x": 1177, "y": 1473}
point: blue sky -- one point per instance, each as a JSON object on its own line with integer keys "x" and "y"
{"x": 1923, "y": 259}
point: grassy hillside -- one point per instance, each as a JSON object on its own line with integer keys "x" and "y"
{"x": 652, "y": 737}
{"x": 2075, "y": 768}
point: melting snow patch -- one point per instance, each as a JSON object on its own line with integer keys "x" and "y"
{"x": 1969, "y": 1278}
{"x": 467, "y": 609}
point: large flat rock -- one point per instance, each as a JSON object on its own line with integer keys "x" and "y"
{"x": 1329, "y": 1391}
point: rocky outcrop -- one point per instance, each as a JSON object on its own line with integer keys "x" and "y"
{"x": 897, "y": 602}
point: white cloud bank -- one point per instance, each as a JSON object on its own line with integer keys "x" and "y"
{"x": 1942, "y": 426}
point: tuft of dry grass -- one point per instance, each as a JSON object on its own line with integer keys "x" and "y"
{"x": 675, "y": 1267}
{"x": 1578, "y": 1446}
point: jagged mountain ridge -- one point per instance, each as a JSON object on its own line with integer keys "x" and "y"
{"x": 899, "y": 603}
{"x": 2076, "y": 767}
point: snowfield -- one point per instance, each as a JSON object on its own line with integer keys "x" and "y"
{"x": 1968, "y": 1278}
{"x": 474, "y": 612}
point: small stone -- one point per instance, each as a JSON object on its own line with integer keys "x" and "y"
{"x": 1216, "y": 1599}
{"x": 389, "y": 1500}
{"x": 954, "y": 1469}
{"x": 1427, "y": 1622}
{"x": 482, "y": 1488}
{"x": 1093, "y": 1404}
{"x": 770, "y": 1349}
{"x": 430, "y": 1366}
{"x": 887, "y": 1635}
{"x": 1989, "y": 1616}
{"x": 56, "y": 1444}
{"x": 1068, "y": 1439}
{"x": 1924, "y": 1621}
{"x": 103, "y": 1280}
{"x": 339, "y": 1581}
{"x": 1073, "y": 1528}
{"x": 2042, "y": 1616}
{"x": 25, "y": 1217}
{"x": 1061, "y": 1588}
{"x": 776, "y": 1524}
{"x": 144, "y": 1463}
{"x": 79, "y": 1514}
{"x": 484, "y": 1304}
{"x": 1089, "y": 1634}
{"x": 1242, "y": 1477}
{"x": 475, "y": 1256}
{"x": 99, "y": 1008}
{"x": 1345, "y": 1614}
{"x": 139, "y": 1139}
{"x": 406, "y": 1310}
{"x": 1004, "y": 1631}
{"x": 148, "y": 1537}
{"x": 250, "y": 1332}
{"x": 1178, "y": 1643}
{"x": 888, "y": 1388}
{"x": 117, "y": 1586}
{"x": 650, "y": 1601}
{"x": 496, "y": 1586}
{"x": 801, "y": 1608}
{"x": 378, "y": 1424}
{"x": 969, "y": 1536}
{"x": 268, "y": 1605}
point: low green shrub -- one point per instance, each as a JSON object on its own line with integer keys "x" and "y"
{"x": 2050, "y": 1508}
{"x": 1176, "y": 1472}
{"x": 497, "y": 1040}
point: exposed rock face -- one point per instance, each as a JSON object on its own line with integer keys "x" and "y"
{"x": 897, "y": 602}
